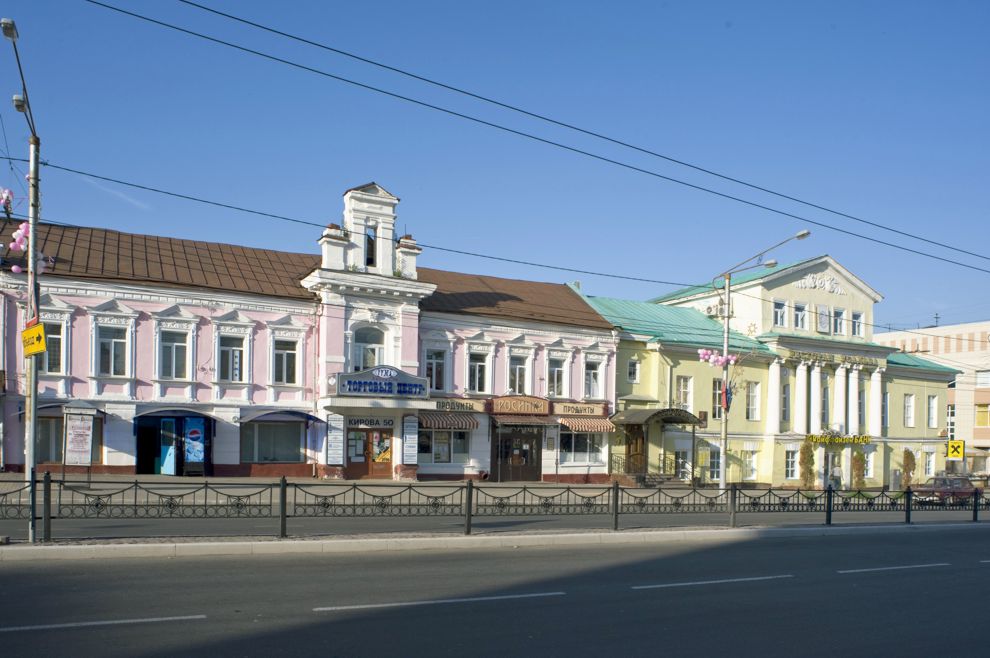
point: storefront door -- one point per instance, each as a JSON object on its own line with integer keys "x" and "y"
{"x": 369, "y": 454}
{"x": 832, "y": 470}
{"x": 168, "y": 446}
{"x": 517, "y": 454}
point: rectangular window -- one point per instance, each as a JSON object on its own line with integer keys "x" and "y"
{"x": 839, "y": 322}
{"x": 285, "y": 362}
{"x": 478, "y": 373}
{"x": 48, "y": 441}
{"x": 113, "y": 351}
{"x": 716, "y": 399}
{"x": 780, "y": 314}
{"x": 870, "y": 461}
{"x": 517, "y": 375}
{"x": 909, "y": 410}
{"x": 682, "y": 393}
{"x": 785, "y": 403}
{"x": 633, "y": 371}
{"x": 443, "y": 447}
{"x": 272, "y": 442}
{"x": 592, "y": 380}
{"x": 231, "y": 359}
{"x": 983, "y": 415}
{"x": 750, "y": 458}
{"x": 555, "y": 377}
{"x": 752, "y": 400}
{"x": 950, "y": 421}
{"x": 800, "y": 316}
{"x": 580, "y": 448}
{"x": 434, "y": 368}
{"x": 682, "y": 459}
{"x": 51, "y": 360}
{"x": 932, "y": 411}
{"x": 172, "y": 355}
{"x": 861, "y": 419}
{"x": 822, "y": 319}
{"x": 885, "y": 409}
{"x": 791, "y": 464}
{"x": 857, "y": 324}
{"x": 982, "y": 376}
{"x": 714, "y": 464}
{"x": 370, "y": 247}
{"x": 825, "y": 401}
{"x": 929, "y": 463}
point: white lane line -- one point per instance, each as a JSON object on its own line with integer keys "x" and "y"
{"x": 116, "y": 622}
{"x": 908, "y": 566}
{"x": 984, "y": 561}
{"x": 713, "y": 582}
{"x": 474, "y": 599}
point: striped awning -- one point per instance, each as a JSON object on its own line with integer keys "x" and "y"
{"x": 586, "y": 424}
{"x": 446, "y": 420}
{"x": 506, "y": 419}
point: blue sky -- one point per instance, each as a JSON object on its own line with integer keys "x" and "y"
{"x": 877, "y": 109}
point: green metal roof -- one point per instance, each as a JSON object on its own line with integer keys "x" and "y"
{"x": 671, "y": 324}
{"x": 912, "y": 361}
{"x": 737, "y": 279}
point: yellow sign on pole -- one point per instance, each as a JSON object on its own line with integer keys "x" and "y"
{"x": 34, "y": 340}
{"x": 956, "y": 450}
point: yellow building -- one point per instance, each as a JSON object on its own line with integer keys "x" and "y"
{"x": 806, "y": 370}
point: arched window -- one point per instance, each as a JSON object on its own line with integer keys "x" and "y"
{"x": 369, "y": 348}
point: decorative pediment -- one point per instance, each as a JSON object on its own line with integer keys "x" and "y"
{"x": 175, "y": 314}
{"x": 54, "y": 309}
{"x": 234, "y": 317}
{"x": 234, "y": 323}
{"x": 374, "y": 189}
{"x": 286, "y": 327}
{"x": 112, "y": 309}
{"x": 438, "y": 336}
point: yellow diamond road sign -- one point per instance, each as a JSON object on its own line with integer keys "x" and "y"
{"x": 956, "y": 450}
{"x": 34, "y": 340}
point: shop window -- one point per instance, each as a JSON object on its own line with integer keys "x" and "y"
{"x": 231, "y": 359}
{"x": 172, "y": 355}
{"x": 517, "y": 375}
{"x": 478, "y": 373}
{"x": 51, "y": 360}
{"x": 286, "y": 355}
{"x": 435, "y": 360}
{"x": 556, "y": 378}
{"x": 791, "y": 464}
{"x": 714, "y": 464}
{"x": 272, "y": 442}
{"x": 112, "y": 346}
{"x": 749, "y": 458}
{"x": 580, "y": 448}
{"x": 443, "y": 447}
{"x": 929, "y": 463}
{"x": 48, "y": 441}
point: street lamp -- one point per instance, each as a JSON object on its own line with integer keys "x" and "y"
{"x": 727, "y": 277}
{"x": 23, "y": 104}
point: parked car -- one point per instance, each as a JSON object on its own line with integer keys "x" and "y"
{"x": 944, "y": 490}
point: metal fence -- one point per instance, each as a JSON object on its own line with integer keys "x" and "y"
{"x": 65, "y": 499}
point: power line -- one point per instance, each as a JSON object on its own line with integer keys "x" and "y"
{"x": 570, "y": 126}
{"x": 536, "y": 138}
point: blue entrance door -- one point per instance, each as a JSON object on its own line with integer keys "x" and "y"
{"x": 169, "y": 439}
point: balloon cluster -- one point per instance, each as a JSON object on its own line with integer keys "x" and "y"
{"x": 20, "y": 243}
{"x": 714, "y": 358}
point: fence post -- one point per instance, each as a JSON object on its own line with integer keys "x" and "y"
{"x": 46, "y": 508}
{"x": 32, "y": 500}
{"x": 283, "y": 488}
{"x": 828, "y": 505}
{"x": 615, "y": 505}
{"x": 732, "y": 505}
{"x": 976, "y": 505}
{"x": 468, "y": 506}
{"x": 908, "y": 495}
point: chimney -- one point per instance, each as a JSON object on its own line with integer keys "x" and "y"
{"x": 333, "y": 244}
{"x": 407, "y": 252}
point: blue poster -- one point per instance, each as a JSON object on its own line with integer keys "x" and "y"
{"x": 195, "y": 440}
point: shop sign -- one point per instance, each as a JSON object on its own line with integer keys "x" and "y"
{"x": 451, "y": 404}
{"x": 78, "y": 440}
{"x": 578, "y": 409}
{"x": 826, "y": 357}
{"x": 335, "y": 440}
{"x": 371, "y": 423}
{"x": 520, "y": 404}
{"x": 381, "y": 382}
{"x": 862, "y": 439}
{"x": 410, "y": 440}
{"x": 955, "y": 450}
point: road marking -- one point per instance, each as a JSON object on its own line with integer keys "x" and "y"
{"x": 82, "y": 624}
{"x": 473, "y": 599}
{"x": 713, "y": 582}
{"x": 984, "y": 561}
{"x": 909, "y": 566}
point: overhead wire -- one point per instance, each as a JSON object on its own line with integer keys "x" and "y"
{"x": 536, "y": 138}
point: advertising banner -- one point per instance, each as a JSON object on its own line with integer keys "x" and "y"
{"x": 78, "y": 440}
{"x": 195, "y": 440}
{"x": 335, "y": 440}
{"x": 410, "y": 440}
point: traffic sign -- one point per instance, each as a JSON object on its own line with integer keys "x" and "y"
{"x": 34, "y": 340}
{"x": 956, "y": 450}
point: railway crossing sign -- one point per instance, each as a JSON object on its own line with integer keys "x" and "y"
{"x": 955, "y": 450}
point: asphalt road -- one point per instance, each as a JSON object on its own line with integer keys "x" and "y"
{"x": 865, "y": 595}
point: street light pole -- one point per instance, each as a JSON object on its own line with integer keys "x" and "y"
{"x": 726, "y": 314}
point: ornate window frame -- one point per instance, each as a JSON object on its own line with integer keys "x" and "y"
{"x": 287, "y": 328}
{"x": 111, "y": 314}
{"x": 559, "y": 354}
{"x": 52, "y": 310}
{"x": 235, "y": 324}
{"x": 176, "y": 319}
{"x": 477, "y": 347}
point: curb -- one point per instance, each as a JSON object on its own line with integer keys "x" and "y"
{"x": 455, "y": 542}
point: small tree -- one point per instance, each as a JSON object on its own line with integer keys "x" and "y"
{"x": 909, "y": 463}
{"x": 859, "y": 470}
{"x": 807, "y": 463}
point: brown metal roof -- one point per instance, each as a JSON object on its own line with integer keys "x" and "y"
{"x": 496, "y": 297}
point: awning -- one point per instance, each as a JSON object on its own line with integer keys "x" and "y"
{"x": 258, "y": 414}
{"x": 643, "y": 416}
{"x": 505, "y": 419}
{"x": 633, "y": 416}
{"x": 174, "y": 411}
{"x": 447, "y": 420}
{"x": 586, "y": 424}
{"x": 51, "y": 409}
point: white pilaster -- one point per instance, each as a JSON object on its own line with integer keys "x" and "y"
{"x": 773, "y": 399}
{"x": 801, "y": 398}
{"x": 815, "y": 422}
{"x": 876, "y": 403}
{"x": 853, "y": 400}
{"x": 839, "y": 406}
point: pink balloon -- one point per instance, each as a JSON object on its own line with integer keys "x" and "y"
{"x": 16, "y": 269}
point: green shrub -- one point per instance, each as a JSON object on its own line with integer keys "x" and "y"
{"x": 909, "y": 464}
{"x": 859, "y": 469}
{"x": 807, "y": 462}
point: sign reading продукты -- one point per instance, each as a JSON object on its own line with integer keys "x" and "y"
{"x": 382, "y": 381}
{"x": 34, "y": 340}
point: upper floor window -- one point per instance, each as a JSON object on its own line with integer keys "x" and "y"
{"x": 478, "y": 373}
{"x": 112, "y": 345}
{"x": 592, "y": 379}
{"x": 370, "y": 244}
{"x": 780, "y": 314}
{"x": 800, "y": 316}
{"x": 825, "y": 401}
{"x": 51, "y": 361}
{"x": 231, "y": 359}
{"x": 785, "y": 402}
{"x": 517, "y": 375}
{"x": 172, "y": 355}
{"x": 823, "y": 319}
{"x": 632, "y": 371}
{"x": 982, "y": 376}
{"x": 682, "y": 393}
{"x": 885, "y": 409}
{"x": 950, "y": 421}
{"x": 369, "y": 348}
{"x": 716, "y": 399}
{"x": 982, "y": 415}
{"x": 556, "y": 378}
{"x": 286, "y": 352}
{"x": 435, "y": 360}
{"x": 909, "y": 410}
{"x": 857, "y": 324}
{"x": 839, "y": 322}
{"x": 752, "y": 400}
{"x": 932, "y": 411}
{"x": 861, "y": 407}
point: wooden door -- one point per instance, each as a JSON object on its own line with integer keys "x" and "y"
{"x": 369, "y": 454}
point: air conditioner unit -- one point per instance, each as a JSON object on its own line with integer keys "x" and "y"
{"x": 711, "y": 310}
